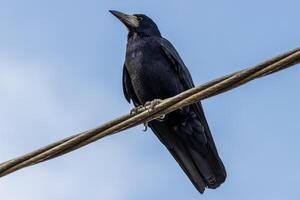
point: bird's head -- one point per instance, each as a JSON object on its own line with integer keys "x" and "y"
{"x": 137, "y": 24}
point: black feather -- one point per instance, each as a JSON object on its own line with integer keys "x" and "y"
{"x": 154, "y": 70}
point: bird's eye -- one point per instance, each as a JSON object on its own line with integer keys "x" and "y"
{"x": 140, "y": 18}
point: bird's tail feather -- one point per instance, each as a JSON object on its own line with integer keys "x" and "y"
{"x": 203, "y": 169}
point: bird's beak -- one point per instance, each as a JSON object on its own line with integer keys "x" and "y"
{"x": 130, "y": 21}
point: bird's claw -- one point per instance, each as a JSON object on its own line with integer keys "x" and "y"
{"x": 136, "y": 110}
{"x": 161, "y": 118}
{"x": 150, "y": 105}
{"x": 145, "y": 126}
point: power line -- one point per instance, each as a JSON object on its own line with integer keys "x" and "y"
{"x": 185, "y": 98}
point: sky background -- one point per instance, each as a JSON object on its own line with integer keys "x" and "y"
{"x": 60, "y": 73}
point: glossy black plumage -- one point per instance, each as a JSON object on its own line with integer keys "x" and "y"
{"x": 154, "y": 70}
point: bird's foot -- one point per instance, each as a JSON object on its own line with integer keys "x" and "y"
{"x": 137, "y": 109}
{"x": 150, "y": 105}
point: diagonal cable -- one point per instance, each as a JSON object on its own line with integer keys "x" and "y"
{"x": 185, "y": 98}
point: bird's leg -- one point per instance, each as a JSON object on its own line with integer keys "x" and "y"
{"x": 150, "y": 105}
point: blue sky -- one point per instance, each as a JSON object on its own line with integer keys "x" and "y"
{"x": 60, "y": 73}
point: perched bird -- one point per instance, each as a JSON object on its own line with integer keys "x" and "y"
{"x": 154, "y": 70}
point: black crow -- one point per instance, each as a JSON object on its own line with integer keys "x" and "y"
{"x": 154, "y": 70}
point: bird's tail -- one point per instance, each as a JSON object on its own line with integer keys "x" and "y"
{"x": 217, "y": 167}
{"x": 199, "y": 160}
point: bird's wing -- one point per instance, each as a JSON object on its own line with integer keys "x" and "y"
{"x": 128, "y": 88}
{"x": 179, "y": 66}
{"x": 187, "y": 82}
{"x": 165, "y": 135}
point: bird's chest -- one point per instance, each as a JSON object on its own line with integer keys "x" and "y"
{"x": 142, "y": 63}
{"x": 149, "y": 71}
